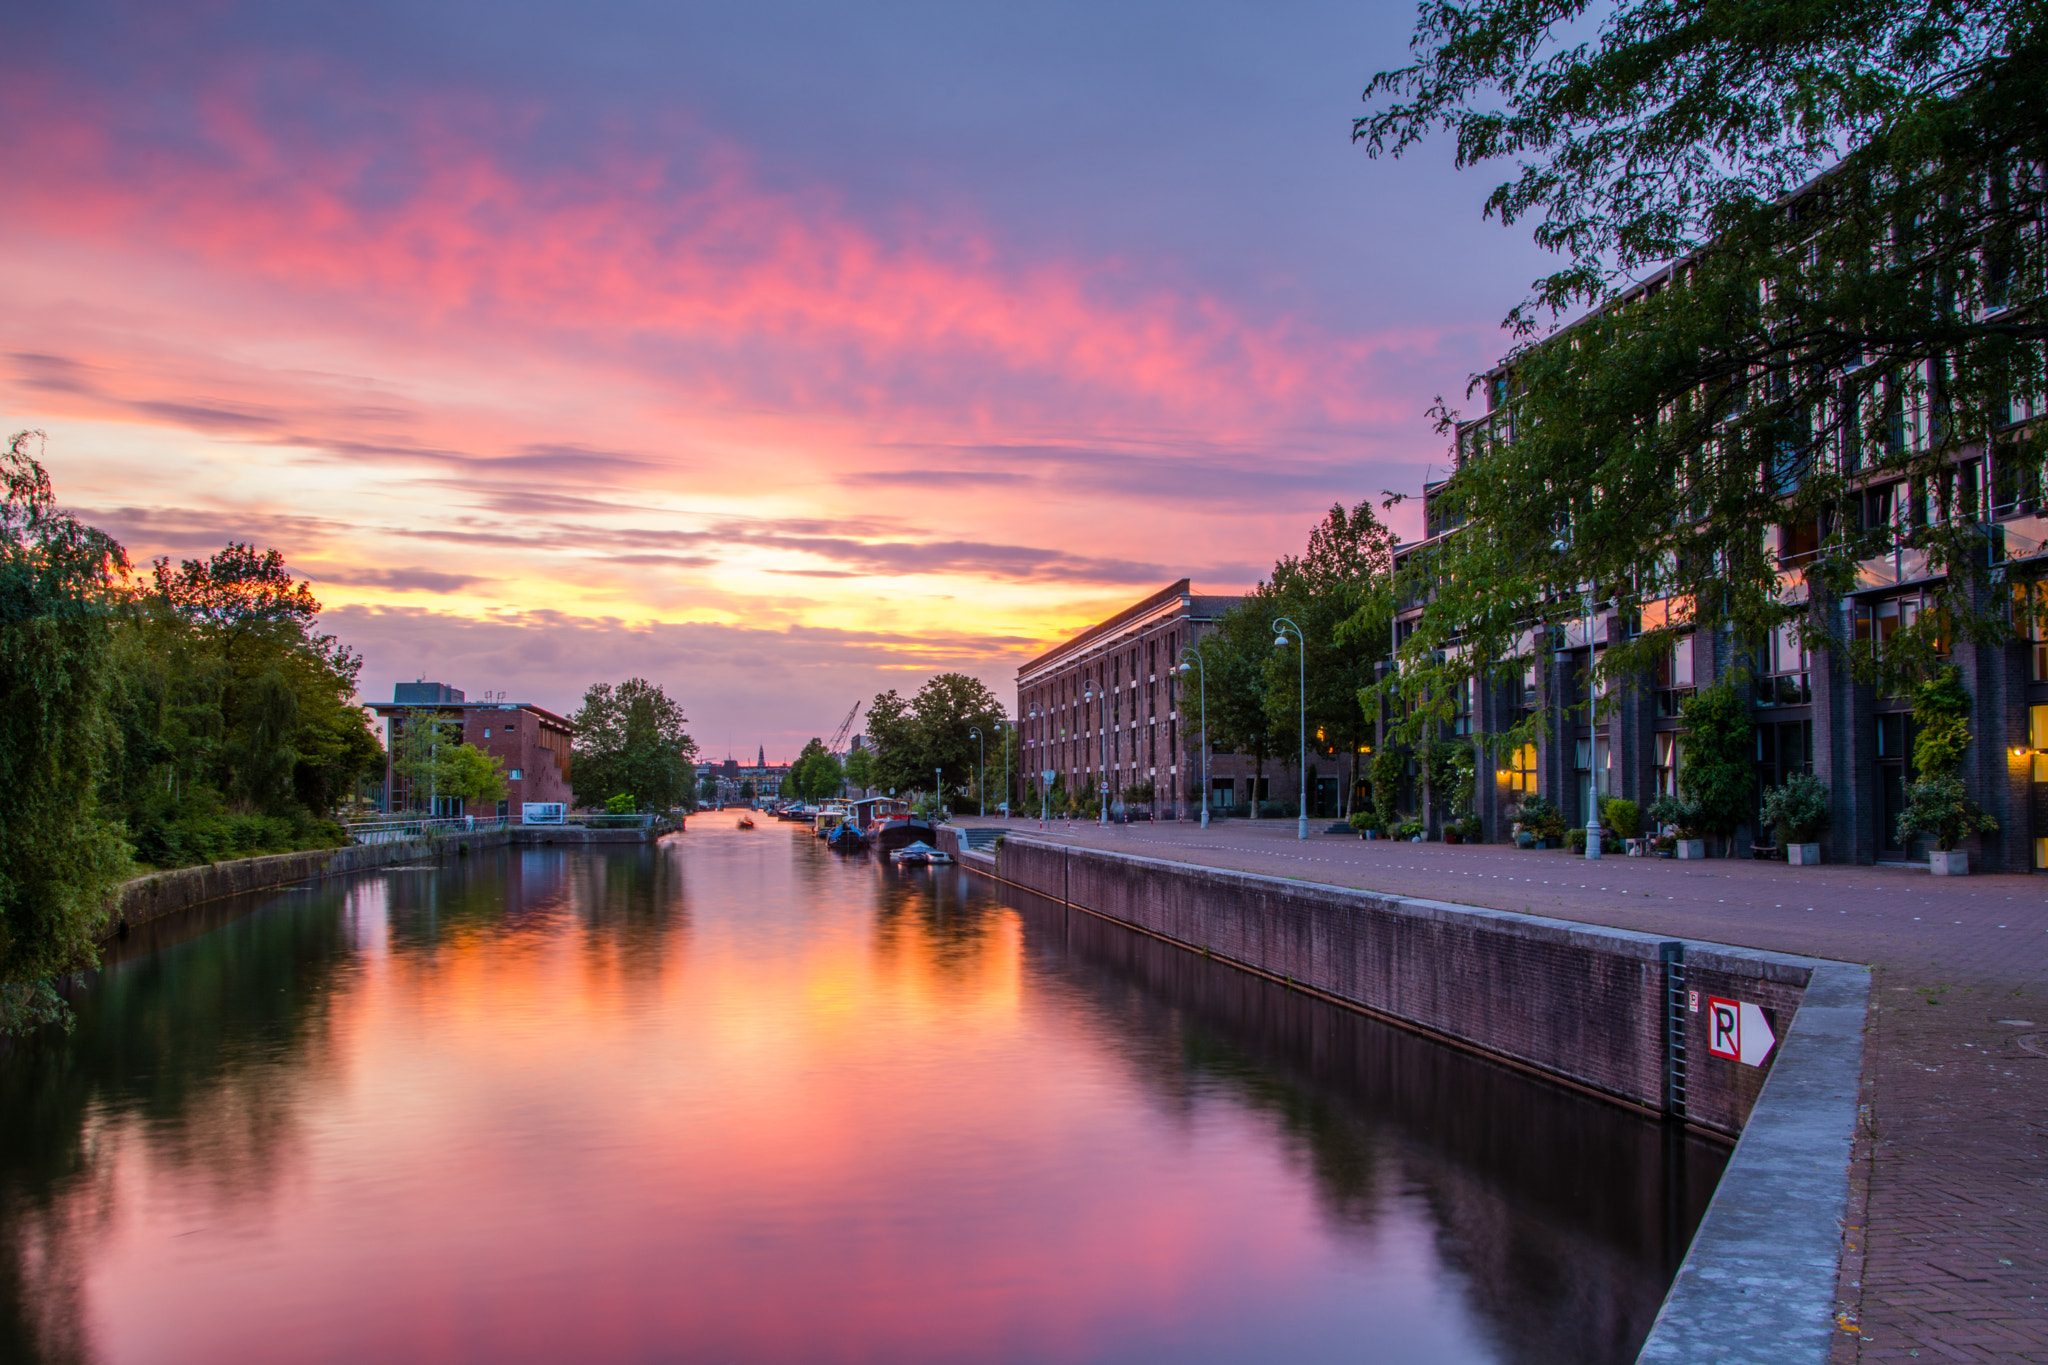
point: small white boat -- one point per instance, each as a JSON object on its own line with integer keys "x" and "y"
{"x": 920, "y": 852}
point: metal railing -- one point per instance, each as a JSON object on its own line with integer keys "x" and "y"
{"x": 395, "y": 830}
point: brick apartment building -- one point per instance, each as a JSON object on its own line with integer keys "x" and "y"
{"x": 1119, "y": 676}
{"x": 530, "y": 741}
{"x": 1809, "y": 713}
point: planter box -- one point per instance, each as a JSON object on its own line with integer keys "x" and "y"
{"x": 1692, "y": 848}
{"x": 1454, "y": 838}
{"x": 1803, "y": 855}
{"x": 1954, "y": 863}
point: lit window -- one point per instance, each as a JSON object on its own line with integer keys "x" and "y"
{"x": 516, "y": 774}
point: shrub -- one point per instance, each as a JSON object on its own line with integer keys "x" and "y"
{"x": 1719, "y": 767}
{"x": 1681, "y": 813}
{"x": 1407, "y": 829}
{"x": 1575, "y": 839}
{"x": 1941, "y": 710}
{"x": 1363, "y": 820}
{"x": 1623, "y": 817}
{"x": 1939, "y": 806}
{"x": 622, "y": 804}
{"x": 1470, "y": 829}
{"x": 1798, "y": 810}
{"x": 1540, "y": 816}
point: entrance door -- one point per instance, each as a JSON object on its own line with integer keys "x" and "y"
{"x": 1892, "y": 738}
{"x": 2037, "y": 739}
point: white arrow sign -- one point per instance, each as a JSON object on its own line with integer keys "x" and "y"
{"x": 1757, "y": 1038}
{"x": 1738, "y": 1031}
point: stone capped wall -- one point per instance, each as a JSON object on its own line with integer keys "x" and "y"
{"x": 1576, "y": 1001}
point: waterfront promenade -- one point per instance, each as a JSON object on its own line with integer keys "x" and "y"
{"x": 1944, "y": 1259}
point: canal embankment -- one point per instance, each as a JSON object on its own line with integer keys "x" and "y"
{"x": 1628, "y": 1015}
{"x": 159, "y": 896}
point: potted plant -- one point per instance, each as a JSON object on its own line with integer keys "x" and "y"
{"x": 1471, "y": 830}
{"x": 1623, "y": 820}
{"x": 1540, "y": 818}
{"x": 1798, "y": 810}
{"x": 1409, "y": 830}
{"x": 1939, "y": 806}
{"x": 1682, "y": 818}
{"x": 1367, "y": 822}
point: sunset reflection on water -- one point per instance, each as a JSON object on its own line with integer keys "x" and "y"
{"x": 734, "y": 1098}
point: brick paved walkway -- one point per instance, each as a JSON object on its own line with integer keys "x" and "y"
{"x": 1946, "y": 1258}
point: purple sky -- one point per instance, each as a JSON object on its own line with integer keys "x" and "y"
{"x": 778, "y": 352}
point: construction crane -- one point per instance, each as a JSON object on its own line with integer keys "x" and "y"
{"x": 838, "y": 745}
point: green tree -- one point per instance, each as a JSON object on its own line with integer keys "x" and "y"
{"x": 1237, "y": 653}
{"x": 237, "y": 728}
{"x": 1338, "y": 592}
{"x": 816, "y": 774}
{"x": 860, "y": 769}
{"x": 928, "y": 733}
{"x": 470, "y": 774}
{"x": 631, "y": 738}
{"x": 1698, "y": 448}
{"x": 60, "y": 856}
{"x": 1719, "y": 772}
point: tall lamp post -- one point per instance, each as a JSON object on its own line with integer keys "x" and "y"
{"x": 1091, "y": 693}
{"x": 1281, "y": 628}
{"x": 1004, "y": 737}
{"x": 938, "y": 795}
{"x": 981, "y": 774}
{"x": 1202, "y": 681}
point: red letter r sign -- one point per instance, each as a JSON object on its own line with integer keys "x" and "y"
{"x": 1724, "y": 1027}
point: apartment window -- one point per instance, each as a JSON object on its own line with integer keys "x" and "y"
{"x": 1222, "y": 792}
{"x": 1669, "y": 751}
{"x": 1781, "y": 666}
{"x": 1462, "y": 707}
{"x": 1519, "y": 777}
{"x": 1878, "y": 621}
{"x": 1675, "y": 677}
{"x": 2030, "y": 623}
{"x": 516, "y": 774}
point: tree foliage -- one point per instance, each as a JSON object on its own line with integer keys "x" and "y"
{"x": 1737, "y": 442}
{"x": 817, "y": 773}
{"x": 630, "y": 739}
{"x": 60, "y": 855}
{"x": 917, "y": 737}
{"x": 236, "y": 725}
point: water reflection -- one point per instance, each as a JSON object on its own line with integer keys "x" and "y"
{"x": 734, "y": 1098}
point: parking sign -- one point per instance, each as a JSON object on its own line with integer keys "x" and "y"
{"x": 1724, "y": 1027}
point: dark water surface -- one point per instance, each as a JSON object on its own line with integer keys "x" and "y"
{"x": 732, "y": 1098}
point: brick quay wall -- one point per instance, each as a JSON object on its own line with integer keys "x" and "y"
{"x": 1578, "y": 1002}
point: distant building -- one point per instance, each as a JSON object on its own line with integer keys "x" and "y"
{"x": 729, "y": 774}
{"x": 530, "y": 741}
{"x": 1143, "y": 713}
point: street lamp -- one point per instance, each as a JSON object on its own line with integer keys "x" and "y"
{"x": 1202, "y": 680}
{"x": 981, "y": 774}
{"x": 1090, "y": 692}
{"x": 1004, "y": 740}
{"x": 938, "y": 795}
{"x": 1045, "y": 775}
{"x": 1280, "y": 629}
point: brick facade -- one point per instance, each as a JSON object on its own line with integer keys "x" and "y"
{"x": 532, "y": 744}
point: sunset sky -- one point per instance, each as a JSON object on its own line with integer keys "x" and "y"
{"x": 779, "y": 352}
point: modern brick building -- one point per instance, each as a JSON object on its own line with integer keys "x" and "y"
{"x": 1110, "y": 696}
{"x": 531, "y": 742}
{"x": 1808, "y": 711}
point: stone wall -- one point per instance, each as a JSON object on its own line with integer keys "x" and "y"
{"x": 1579, "y": 1002}
{"x": 159, "y": 894}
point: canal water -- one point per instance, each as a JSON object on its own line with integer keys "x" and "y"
{"x": 734, "y": 1098}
